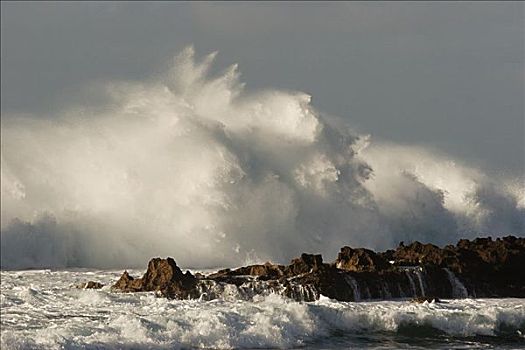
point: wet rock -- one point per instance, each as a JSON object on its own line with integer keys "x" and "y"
{"x": 482, "y": 268}
{"x": 307, "y": 263}
{"x": 493, "y": 267}
{"x": 486, "y": 267}
{"x": 418, "y": 253}
{"x": 221, "y": 273}
{"x": 162, "y": 275}
{"x": 89, "y": 285}
{"x": 360, "y": 259}
{"x": 183, "y": 288}
{"x": 421, "y": 300}
{"x": 327, "y": 280}
{"x": 266, "y": 271}
{"x": 127, "y": 283}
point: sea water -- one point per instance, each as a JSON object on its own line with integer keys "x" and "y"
{"x": 41, "y": 309}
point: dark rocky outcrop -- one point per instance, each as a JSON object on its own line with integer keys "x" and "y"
{"x": 162, "y": 275}
{"x": 479, "y": 268}
{"x": 425, "y": 254}
{"x": 360, "y": 259}
{"x": 420, "y": 300}
{"x": 126, "y": 283}
{"x": 307, "y": 263}
{"x": 89, "y": 285}
{"x": 267, "y": 271}
{"x": 486, "y": 267}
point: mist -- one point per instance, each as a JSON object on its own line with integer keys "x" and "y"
{"x": 189, "y": 164}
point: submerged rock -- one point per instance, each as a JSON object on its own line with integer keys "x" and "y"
{"x": 424, "y": 272}
{"x": 89, "y": 285}
{"x": 420, "y": 300}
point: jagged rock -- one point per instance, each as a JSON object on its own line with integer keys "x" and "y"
{"x": 228, "y": 276}
{"x": 162, "y": 275}
{"x": 482, "y": 267}
{"x": 417, "y": 253}
{"x": 493, "y": 267}
{"x": 266, "y": 271}
{"x": 89, "y": 285}
{"x": 307, "y": 263}
{"x": 360, "y": 259}
{"x": 388, "y": 255}
{"x": 421, "y": 300}
{"x": 127, "y": 283}
{"x": 220, "y": 273}
{"x": 487, "y": 267}
{"x": 184, "y": 288}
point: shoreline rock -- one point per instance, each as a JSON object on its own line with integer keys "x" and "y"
{"x": 162, "y": 275}
{"x": 89, "y": 285}
{"x": 479, "y": 268}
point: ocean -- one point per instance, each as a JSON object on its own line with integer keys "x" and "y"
{"x": 41, "y": 309}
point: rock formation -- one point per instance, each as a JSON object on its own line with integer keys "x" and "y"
{"x": 89, "y": 285}
{"x": 162, "y": 275}
{"x": 360, "y": 259}
{"x": 479, "y": 268}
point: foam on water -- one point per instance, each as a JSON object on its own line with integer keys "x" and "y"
{"x": 40, "y": 310}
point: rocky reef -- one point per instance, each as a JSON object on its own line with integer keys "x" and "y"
{"x": 479, "y": 268}
{"x": 89, "y": 285}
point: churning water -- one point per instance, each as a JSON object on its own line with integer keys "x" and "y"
{"x": 40, "y": 309}
{"x": 192, "y": 166}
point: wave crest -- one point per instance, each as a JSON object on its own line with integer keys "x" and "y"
{"x": 191, "y": 165}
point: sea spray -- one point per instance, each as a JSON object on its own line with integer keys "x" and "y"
{"x": 458, "y": 288}
{"x": 191, "y": 165}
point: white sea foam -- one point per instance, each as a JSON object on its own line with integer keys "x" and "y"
{"x": 190, "y": 165}
{"x": 40, "y": 310}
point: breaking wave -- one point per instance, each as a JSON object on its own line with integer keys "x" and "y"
{"x": 192, "y": 166}
{"x": 40, "y": 310}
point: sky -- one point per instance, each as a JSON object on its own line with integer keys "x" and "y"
{"x": 448, "y": 76}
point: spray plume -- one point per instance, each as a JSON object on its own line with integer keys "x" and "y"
{"x": 192, "y": 166}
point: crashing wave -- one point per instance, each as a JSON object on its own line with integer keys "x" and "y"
{"x": 55, "y": 316}
{"x": 192, "y": 163}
